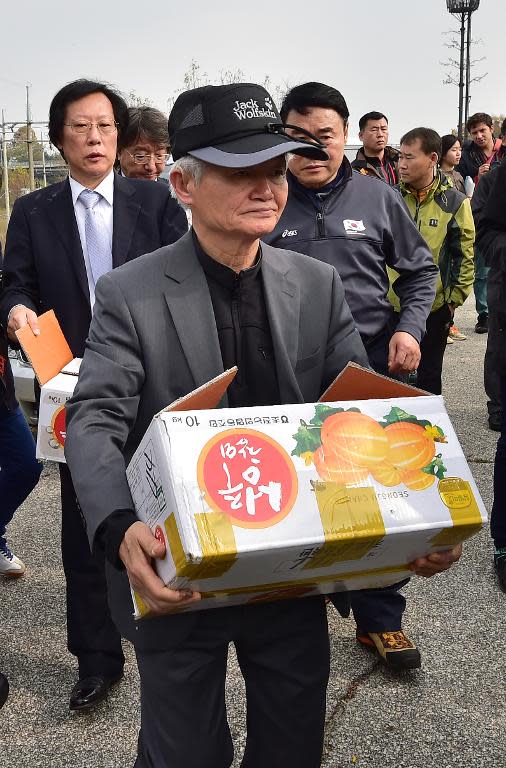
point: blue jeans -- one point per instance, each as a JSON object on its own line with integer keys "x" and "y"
{"x": 480, "y": 282}
{"x": 19, "y": 469}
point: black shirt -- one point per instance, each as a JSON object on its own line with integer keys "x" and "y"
{"x": 243, "y": 330}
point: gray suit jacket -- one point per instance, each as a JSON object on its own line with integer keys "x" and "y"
{"x": 152, "y": 339}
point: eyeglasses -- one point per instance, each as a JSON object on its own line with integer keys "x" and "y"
{"x": 141, "y": 158}
{"x": 82, "y": 126}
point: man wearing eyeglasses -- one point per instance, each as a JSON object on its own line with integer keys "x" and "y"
{"x": 143, "y": 146}
{"x": 60, "y": 240}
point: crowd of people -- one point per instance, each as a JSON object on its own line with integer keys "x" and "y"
{"x": 277, "y": 213}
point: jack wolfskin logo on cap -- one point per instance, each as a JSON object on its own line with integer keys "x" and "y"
{"x": 352, "y": 226}
{"x": 246, "y": 110}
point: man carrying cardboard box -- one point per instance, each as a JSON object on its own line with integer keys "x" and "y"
{"x": 170, "y": 323}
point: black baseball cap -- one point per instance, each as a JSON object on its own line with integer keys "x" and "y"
{"x": 234, "y": 126}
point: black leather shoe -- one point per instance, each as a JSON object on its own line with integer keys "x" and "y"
{"x": 4, "y": 689}
{"x": 482, "y": 324}
{"x": 500, "y": 567}
{"x": 88, "y": 691}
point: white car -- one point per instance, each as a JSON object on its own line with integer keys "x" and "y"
{"x": 24, "y": 385}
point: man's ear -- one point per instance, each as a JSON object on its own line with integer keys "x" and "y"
{"x": 182, "y": 185}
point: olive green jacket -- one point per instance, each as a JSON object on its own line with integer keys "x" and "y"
{"x": 445, "y": 221}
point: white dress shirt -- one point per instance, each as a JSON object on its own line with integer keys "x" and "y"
{"x": 102, "y": 208}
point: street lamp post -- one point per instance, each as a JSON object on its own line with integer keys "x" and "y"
{"x": 463, "y": 10}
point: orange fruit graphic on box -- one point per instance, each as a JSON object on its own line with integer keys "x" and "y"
{"x": 331, "y": 466}
{"x": 357, "y": 437}
{"x": 386, "y": 474}
{"x": 416, "y": 480}
{"x": 410, "y": 445}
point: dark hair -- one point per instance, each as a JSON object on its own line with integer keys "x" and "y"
{"x": 145, "y": 123}
{"x": 447, "y": 143}
{"x": 503, "y": 127}
{"x": 76, "y": 90}
{"x": 476, "y": 119}
{"x": 429, "y": 140}
{"x": 303, "y": 97}
{"x": 370, "y": 116}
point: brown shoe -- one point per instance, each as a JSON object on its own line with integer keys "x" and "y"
{"x": 394, "y": 649}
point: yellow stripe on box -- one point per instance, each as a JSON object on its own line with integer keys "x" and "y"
{"x": 352, "y": 523}
{"x": 458, "y": 496}
{"x": 217, "y": 540}
{"x": 141, "y": 608}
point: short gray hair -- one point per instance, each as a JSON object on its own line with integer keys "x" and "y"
{"x": 188, "y": 166}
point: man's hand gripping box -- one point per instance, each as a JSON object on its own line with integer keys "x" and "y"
{"x": 292, "y": 500}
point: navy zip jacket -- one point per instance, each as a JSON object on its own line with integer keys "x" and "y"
{"x": 360, "y": 226}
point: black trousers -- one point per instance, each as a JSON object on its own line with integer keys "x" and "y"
{"x": 91, "y": 635}
{"x": 494, "y": 357}
{"x": 498, "y": 514}
{"x": 433, "y": 348}
{"x": 283, "y": 652}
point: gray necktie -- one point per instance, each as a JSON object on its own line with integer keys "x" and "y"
{"x": 97, "y": 236}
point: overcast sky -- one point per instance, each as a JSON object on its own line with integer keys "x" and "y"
{"x": 381, "y": 55}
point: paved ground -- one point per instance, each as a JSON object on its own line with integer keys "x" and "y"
{"x": 452, "y": 712}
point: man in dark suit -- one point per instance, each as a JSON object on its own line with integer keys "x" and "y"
{"x": 216, "y": 298}
{"x": 59, "y": 240}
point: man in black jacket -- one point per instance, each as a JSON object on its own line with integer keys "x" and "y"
{"x": 60, "y": 240}
{"x": 492, "y": 241}
{"x": 375, "y": 157}
{"x": 476, "y": 160}
{"x": 495, "y": 339}
{"x": 360, "y": 226}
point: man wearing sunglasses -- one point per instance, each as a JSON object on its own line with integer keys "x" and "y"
{"x": 60, "y": 240}
{"x": 143, "y": 147}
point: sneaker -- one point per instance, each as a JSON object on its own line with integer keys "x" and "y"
{"x": 394, "y": 649}
{"x": 10, "y": 565}
{"x": 455, "y": 334}
{"x": 482, "y": 324}
{"x": 449, "y": 340}
{"x": 500, "y": 567}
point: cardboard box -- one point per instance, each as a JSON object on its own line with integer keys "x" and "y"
{"x": 263, "y": 503}
{"x": 56, "y": 371}
{"x": 291, "y": 500}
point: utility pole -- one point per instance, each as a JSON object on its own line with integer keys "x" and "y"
{"x": 29, "y": 140}
{"x": 5, "y": 170}
{"x": 463, "y": 10}
{"x": 460, "y": 126}
{"x": 44, "y": 179}
{"x": 468, "y": 69}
